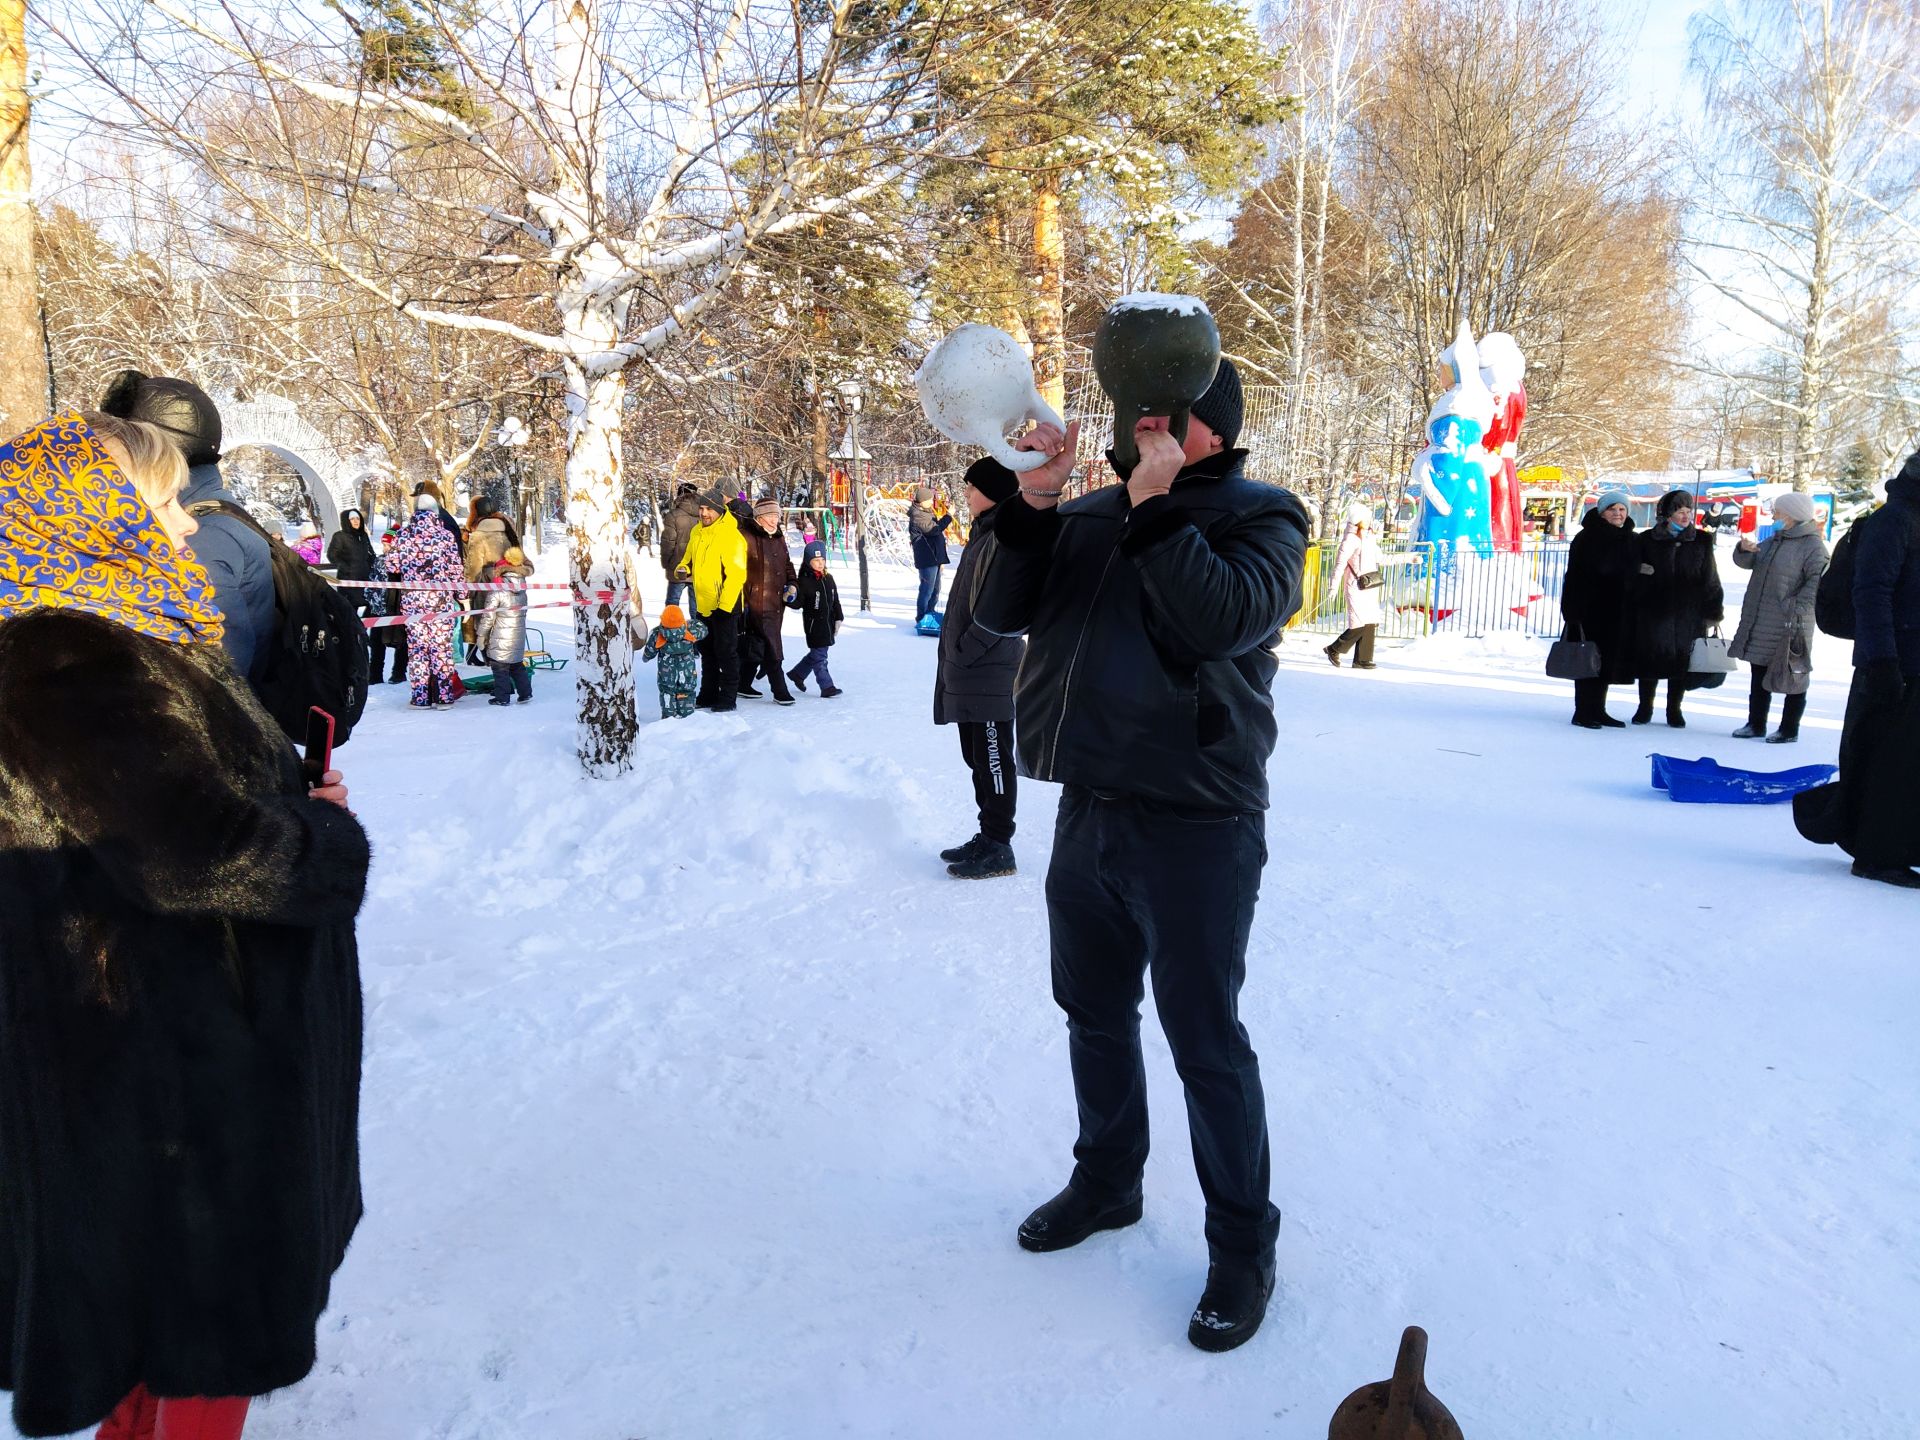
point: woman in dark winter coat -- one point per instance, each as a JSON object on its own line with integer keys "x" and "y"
{"x": 1676, "y": 600}
{"x": 929, "y": 536}
{"x": 180, "y": 1013}
{"x": 350, "y": 552}
{"x": 1776, "y": 618}
{"x": 770, "y": 586}
{"x": 1873, "y": 811}
{"x": 1594, "y": 602}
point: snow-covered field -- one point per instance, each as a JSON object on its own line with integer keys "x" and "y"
{"x": 703, "y": 1106}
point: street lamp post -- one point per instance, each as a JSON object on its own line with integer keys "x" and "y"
{"x": 851, "y": 395}
{"x": 513, "y": 437}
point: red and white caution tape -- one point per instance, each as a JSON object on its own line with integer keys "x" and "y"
{"x": 375, "y": 622}
{"x": 603, "y": 597}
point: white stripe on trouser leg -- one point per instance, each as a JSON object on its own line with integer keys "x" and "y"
{"x": 993, "y": 757}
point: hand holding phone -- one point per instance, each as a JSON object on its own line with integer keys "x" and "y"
{"x": 317, "y": 758}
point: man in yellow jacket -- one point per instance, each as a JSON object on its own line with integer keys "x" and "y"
{"x": 717, "y": 563}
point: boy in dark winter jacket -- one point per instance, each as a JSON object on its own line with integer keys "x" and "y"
{"x": 675, "y": 643}
{"x": 817, "y": 599}
{"x": 973, "y": 688}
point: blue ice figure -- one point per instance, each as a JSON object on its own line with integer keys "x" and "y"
{"x": 1450, "y": 476}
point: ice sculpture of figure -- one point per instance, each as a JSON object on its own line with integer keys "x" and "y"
{"x": 1503, "y": 368}
{"x": 1451, "y": 473}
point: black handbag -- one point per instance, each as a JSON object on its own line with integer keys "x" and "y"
{"x": 1368, "y": 581}
{"x": 1573, "y": 659}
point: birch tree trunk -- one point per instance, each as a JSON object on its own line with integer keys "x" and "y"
{"x": 23, "y": 355}
{"x": 591, "y": 323}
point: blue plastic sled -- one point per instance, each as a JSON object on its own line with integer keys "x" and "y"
{"x": 1707, "y": 782}
{"x": 929, "y": 624}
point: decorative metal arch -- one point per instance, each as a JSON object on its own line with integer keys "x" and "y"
{"x": 274, "y": 423}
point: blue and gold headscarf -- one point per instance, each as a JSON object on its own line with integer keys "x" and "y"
{"x": 75, "y": 534}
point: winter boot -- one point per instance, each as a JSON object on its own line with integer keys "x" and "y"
{"x": 1750, "y": 731}
{"x": 1332, "y": 655}
{"x": 748, "y": 691}
{"x": 964, "y": 851}
{"x": 1783, "y": 737}
{"x": 1675, "y": 720}
{"x": 1070, "y": 1217}
{"x": 1643, "y": 715}
{"x": 799, "y": 680}
{"x": 1607, "y": 722}
{"x": 832, "y": 694}
{"x": 991, "y": 860}
{"x": 1233, "y": 1304}
{"x": 1886, "y": 874}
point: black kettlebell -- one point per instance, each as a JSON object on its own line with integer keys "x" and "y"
{"x": 1153, "y": 355}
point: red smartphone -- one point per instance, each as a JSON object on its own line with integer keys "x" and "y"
{"x": 317, "y": 759}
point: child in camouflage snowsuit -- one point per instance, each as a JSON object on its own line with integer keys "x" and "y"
{"x": 675, "y": 643}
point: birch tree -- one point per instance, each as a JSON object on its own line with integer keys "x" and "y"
{"x": 23, "y": 366}
{"x": 1808, "y": 172}
{"x": 454, "y": 191}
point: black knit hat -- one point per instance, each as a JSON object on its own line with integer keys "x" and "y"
{"x": 714, "y": 499}
{"x": 1223, "y": 407}
{"x": 993, "y": 480}
{"x": 179, "y": 407}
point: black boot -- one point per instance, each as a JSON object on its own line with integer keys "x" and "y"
{"x": 1070, "y": 1217}
{"x": 797, "y": 678}
{"x": 748, "y": 691}
{"x": 964, "y": 851}
{"x": 1675, "y": 720}
{"x": 1887, "y": 875}
{"x": 992, "y": 859}
{"x": 1234, "y": 1304}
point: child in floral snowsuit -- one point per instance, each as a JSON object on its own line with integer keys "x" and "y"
{"x": 427, "y": 554}
{"x": 675, "y": 643}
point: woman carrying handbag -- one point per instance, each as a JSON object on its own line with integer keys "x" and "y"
{"x": 1676, "y": 600}
{"x": 1357, "y": 572}
{"x": 1594, "y": 601}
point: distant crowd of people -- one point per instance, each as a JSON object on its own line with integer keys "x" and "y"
{"x": 731, "y": 580}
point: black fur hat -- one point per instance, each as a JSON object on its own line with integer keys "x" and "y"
{"x": 179, "y": 407}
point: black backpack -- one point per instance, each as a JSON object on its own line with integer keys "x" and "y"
{"x": 319, "y": 654}
{"x": 1833, "y": 601}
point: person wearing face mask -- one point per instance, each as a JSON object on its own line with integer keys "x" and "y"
{"x": 1676, "y": 600}
{"x": 1776, "y": 618}
{"x": 180, "y": 1014}
{"x": 1594, "y": 602}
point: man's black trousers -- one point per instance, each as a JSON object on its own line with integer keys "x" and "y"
{"x": 720, "y": 661}
{"x": 1139, "y": 888}
{"x": 987, "y": 746}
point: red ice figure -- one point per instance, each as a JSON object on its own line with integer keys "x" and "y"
{"x": 1503, "y": 368}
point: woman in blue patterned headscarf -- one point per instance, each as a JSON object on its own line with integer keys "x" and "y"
{"x": 179, "y": 985}
{"x": 77, "y": 531}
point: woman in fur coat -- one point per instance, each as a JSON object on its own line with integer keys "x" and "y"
{"x": 179, "y": 989}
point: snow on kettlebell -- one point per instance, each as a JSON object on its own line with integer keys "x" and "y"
{"x": 976, "y": 385}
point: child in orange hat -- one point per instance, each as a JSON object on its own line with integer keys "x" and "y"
{"x": 675, "y": 644}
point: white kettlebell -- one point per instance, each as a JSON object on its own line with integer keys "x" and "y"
{"x": 976, "y": 385}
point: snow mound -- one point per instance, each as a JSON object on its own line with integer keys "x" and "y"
{"x": 1154, "y": 300}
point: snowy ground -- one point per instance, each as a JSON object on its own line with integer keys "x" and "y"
{"x": 702, "y": 1105}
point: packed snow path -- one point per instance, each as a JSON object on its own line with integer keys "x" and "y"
{"x": 702, "y": 1105}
